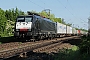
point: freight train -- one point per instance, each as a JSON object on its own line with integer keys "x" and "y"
{"x": 35, "y": 26}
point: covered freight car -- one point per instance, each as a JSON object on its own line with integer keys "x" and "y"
{"x": 78, "y": 32}
{"x": 69, "y": 30}
{"x": 60, "y": 29}
{"x": 74, "y": 31}
{"x": 64, "y": 29}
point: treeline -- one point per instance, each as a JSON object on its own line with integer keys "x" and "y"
{"x": 11, "y": 14}
{"x": 7, "y": 19}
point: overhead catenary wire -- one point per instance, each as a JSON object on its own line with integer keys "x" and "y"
{"x": 39, "y": 5}
{"x": 69, "y": 5}
{"x": 43, "y": 2}
{"x": 36, "y": 4}
{"x": 62, "y": 4}
{"x": 66, "y": 8}
{"x": 70, "y": 11}
{"x": 45, "y": 5}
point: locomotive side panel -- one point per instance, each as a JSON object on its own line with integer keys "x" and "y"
{"x": 47, "y": 26}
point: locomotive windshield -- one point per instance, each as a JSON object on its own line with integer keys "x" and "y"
{"x": 20, "y": 19}
{"x": 24, "y": 18}
{"x": 28, "y": 19}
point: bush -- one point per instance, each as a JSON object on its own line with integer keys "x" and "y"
{"x": 71, "y": 54}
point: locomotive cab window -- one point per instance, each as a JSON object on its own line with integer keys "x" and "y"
{"x": 28, "y": 19}
{"x": 20, "y": 19}
{"x": 24, "y": 18}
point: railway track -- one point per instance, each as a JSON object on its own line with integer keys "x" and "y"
{"x": 53, "y": 48}
{"x": 13, "y": 49}
{"x": 45, "y": 53}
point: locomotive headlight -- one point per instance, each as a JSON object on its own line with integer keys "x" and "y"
{"x": 29, "y": 29}
{"x": 16, "y": 25}
{"x": 17, "y": 29}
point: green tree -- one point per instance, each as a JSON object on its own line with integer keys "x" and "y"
{"x": 44, "y": 14}
{"x": 57, "y": 20}
{"x": 13, "y": 15}
{"x": 21, "y": 13}
{"x": 2, "y": 21}
{"x": 7, "y": 14}
{"x": 69, "y": 24}
{"x": 63, "y": 22}
{"x": 16, "y": 12}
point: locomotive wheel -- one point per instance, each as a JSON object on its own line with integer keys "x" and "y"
{"x": 38, "y": 37}
{"x": 59, "y": 36}
{"x": 53, "y": 36}
{"x": 50, "y": 37}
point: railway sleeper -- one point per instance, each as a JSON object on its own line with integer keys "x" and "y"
{"x": 23, "y": 55}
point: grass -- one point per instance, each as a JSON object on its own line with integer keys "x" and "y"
{"x": 79, "y": 52}
{"x": 70, "y": 54}
{"x": 6, "y": 39}
{"x": 0, "y": 42}
{"x": 20, "y": 42}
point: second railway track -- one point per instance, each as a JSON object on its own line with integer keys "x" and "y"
{"x": 38, "y": 46}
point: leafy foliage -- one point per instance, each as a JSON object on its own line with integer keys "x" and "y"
{"x": 85, "y": 45}
{"x": 2, "y": 21}
{"x": 7, "y": 19}
{"x": 68, "y": 54}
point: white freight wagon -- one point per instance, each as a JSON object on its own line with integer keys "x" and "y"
{"x": 73, "y": 31}
{"x": 70, "y": 30}
{"x": 59, "y": 28}
{"x": 64, "y": 29}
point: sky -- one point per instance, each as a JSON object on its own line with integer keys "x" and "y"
{"x": 72, "y": 11}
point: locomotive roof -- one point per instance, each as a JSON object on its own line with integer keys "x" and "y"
{"x": 37, "y": 15}
{"x": 24, "y": 15}
{"x": 32, "y": 13}
{"x": 44, "y": 18}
